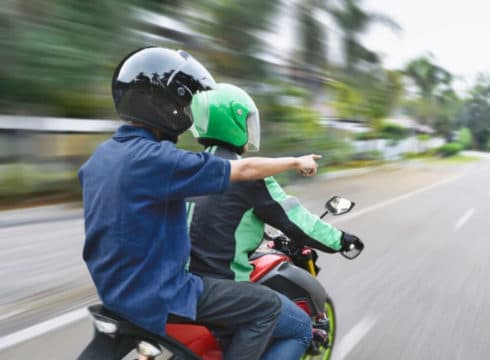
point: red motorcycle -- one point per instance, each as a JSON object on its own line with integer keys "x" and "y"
{"x": 280, "y": 265}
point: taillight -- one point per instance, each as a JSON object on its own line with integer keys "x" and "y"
{"x": 303, "y": 304}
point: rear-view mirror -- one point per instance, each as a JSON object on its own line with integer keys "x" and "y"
{"x": 338, "y": 205}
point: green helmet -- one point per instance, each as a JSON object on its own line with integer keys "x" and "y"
{"x": 226, "y": 114}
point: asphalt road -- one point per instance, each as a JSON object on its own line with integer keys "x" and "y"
{"x": 420, "y": 290}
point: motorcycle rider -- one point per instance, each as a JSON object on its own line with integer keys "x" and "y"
{"x": 225, "y": 228}
{"x": 134, "y": 186}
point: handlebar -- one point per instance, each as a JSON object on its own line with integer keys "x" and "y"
{"x": 283, "y": 244}
{"x": 354, "y": 251}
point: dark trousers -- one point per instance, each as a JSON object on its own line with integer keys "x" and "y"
{"x": 243, "y": 313}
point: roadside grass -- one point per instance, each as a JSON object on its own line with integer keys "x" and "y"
{"x": 457, "y": 159}
{"x": 27, "y": 188}
{"x": 436, "y": 159}
{"x": 419, "y": 156}
{"x": 357, "y": 164}
{"x": 28, "y": 185}
{"x": 430, "y": 158}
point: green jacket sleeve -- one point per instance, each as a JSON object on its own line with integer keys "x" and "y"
{"x": 286, "y": 213}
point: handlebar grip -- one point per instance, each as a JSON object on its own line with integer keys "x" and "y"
{"x": 354, "y": 251}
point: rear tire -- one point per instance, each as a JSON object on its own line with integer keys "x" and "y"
{"x": 325, "y": 353}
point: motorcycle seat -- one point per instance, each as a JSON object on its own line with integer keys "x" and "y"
{"x": 101, "y": 313}
{"x": 195, "y": 337}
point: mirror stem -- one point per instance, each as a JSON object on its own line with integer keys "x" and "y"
{"x": 323, "y": 215}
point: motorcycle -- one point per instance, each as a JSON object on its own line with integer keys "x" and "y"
{"x": 279, "y": 265}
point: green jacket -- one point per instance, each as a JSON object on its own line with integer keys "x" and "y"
{"x": 226, "y": 228}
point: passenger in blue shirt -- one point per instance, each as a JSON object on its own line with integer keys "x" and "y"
{"x": 137, "y": 243}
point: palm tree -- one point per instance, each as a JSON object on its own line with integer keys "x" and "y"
{"x": 312, "y": 34}
{"x": 235, "y": 29}
{"x": 353, "y": 20}
{"x": 437, "y": 103}
{"x": 429, "y": 78}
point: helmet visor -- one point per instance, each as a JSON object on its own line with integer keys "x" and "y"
{"x": 200, "y": 112}
{"x": 253, "y": 131}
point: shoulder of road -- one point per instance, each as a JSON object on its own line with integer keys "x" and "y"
{"x": 73, "y": 210}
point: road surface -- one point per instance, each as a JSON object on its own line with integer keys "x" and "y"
{"x": 420, "y": 290}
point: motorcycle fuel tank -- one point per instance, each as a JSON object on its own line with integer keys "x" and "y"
{"x": 296, "y": 284}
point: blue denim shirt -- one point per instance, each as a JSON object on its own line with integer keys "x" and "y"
{"x": 137, "y": 242}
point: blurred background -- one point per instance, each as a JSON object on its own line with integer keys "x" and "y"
{"x": 387, "y": 121}
{"x": 318, "y": 86}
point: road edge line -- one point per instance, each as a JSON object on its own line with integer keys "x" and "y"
{"x": 395, "y": 199}
{"x": 464, "y": 219}
{"x": 354, "y": 336}
{"x": 44, "y": 327}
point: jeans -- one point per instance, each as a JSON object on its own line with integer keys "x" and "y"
{"x": 248, "y": 312}
{"x": 292, "y": 334}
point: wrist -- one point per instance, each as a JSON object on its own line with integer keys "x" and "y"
{"x": 296, "y": 163}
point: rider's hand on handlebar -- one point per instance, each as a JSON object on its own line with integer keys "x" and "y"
{"x": 307, "y": 165}
{"x": 351, "y": 242}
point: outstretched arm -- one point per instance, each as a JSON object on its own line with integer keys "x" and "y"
{"x": 255, "y": 168}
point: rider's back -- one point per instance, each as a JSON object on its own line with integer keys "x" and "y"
{"x": 224, "y": 228}
{"x": 133, "y": 189}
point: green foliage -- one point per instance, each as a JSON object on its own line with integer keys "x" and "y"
{"x": 449, "y": 149}
{"x": 289, "y": 129}
{"x": 235, "y": 27}
{"x": 457, "y": 159}
{"x": 395, "y": 131}
{"x": 440, "y": 114}
{"x": 348, "y": 100}
{"x": 58, "y": 58}
{"x": 370, "y": 135}
{"x": 415, "y": 155}
{"x": 296, "y": 91}
{"x": 353, "y": 20}
{"x": 465, "y": 138}
{"x": 369, "y": 155}
{"x": 475, "y": 113}
{"x": 370, "y": 97}
{"x": 388, "y": 130}
{"x": 312, "y": 34}
{"x": 66, "y": 50}
{"x": 23, "y": 181}
{"x": 436, "y": 103}
{"x": 61, "y": 49}
{"x": 295, "y": 130}
{"x": 15, "y": 181}
{"x": 428, "y": 77}
{"x": 334, "y": 149}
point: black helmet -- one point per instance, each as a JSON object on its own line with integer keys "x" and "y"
{"x": 155, "y": 86}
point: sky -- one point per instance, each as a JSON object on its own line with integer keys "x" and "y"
{"x": 456, "y": 32}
